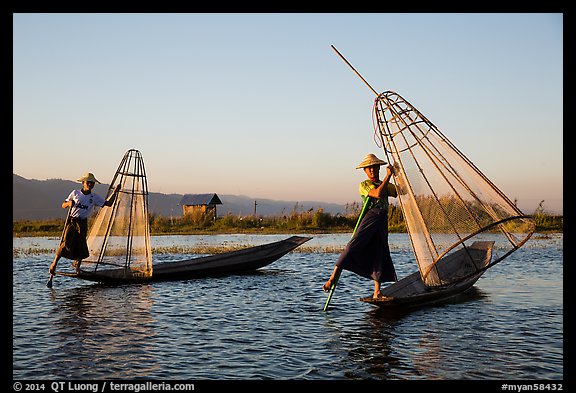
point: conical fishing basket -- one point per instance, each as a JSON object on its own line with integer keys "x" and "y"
{"x": 119, "y": 237}
{"x": 447, "y": 202}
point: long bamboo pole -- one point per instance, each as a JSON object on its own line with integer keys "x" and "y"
{"x": 354, "y": 69}
{"x": 366, "y": 202}
{"x": 49, "y": 283}
{"x": 337, "y": 277}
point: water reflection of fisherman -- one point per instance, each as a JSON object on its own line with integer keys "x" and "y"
{"x": 86, "y": 323}
{"x": 367, "y": 253}
{"x": 81, "y": 202}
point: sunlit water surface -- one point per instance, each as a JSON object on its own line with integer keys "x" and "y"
{"x": 270, "y": 324}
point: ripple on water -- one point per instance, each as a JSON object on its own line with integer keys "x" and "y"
{"x": 270, "y": 324}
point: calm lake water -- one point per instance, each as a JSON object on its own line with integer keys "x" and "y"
{"x": 270, "y": 324}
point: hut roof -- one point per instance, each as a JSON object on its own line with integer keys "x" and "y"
{"x": 200, "y": 199}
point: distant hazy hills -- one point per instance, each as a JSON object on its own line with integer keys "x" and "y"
{"x": 41, "y": 199}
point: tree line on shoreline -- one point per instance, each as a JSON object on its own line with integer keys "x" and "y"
{"x": 312, "y": 221}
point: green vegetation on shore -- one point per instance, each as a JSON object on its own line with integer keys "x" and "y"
{"x": 296, "y": 222}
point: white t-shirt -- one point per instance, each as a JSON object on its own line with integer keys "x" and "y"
{"x": 83, "y": 204}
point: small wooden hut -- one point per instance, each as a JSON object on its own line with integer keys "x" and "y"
{"x": 204, "y": 203}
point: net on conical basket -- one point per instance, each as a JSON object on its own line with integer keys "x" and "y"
{"x": 447, "y": 202}
{"x": 119, "y": 238}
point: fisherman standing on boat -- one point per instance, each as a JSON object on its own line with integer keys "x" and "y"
{"x": 81, "y": 202}
{"x": 367, "y": 253}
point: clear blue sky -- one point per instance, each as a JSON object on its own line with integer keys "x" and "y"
{"x": 260, "y": 105}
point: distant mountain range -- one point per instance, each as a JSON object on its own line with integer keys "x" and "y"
{"x": 41, "y": 199}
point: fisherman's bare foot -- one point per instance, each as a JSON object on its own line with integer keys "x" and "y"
{"x": 327, "y": 285}
{"x": 76, "y": 266}
{"x": 377, "y": 295}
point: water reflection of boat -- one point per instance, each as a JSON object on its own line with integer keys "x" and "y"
{"x": 100, "y": 329}
{"x": 233, "y": 262}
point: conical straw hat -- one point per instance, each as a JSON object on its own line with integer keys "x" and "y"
{"x": 88, "y": 177}
{"x": 370, "y": 160}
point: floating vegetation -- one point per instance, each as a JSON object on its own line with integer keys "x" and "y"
{"x": 20, "y": 252}
{"x": 192, "y": 249}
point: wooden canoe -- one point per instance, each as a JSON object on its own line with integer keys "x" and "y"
{"x": 233, "y": 262}
{"x": 464, "y": 266}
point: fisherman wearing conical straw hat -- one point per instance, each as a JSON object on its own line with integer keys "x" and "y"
{"x": 368, "y": 254}
{"x": 371, "y": 160}
{"x": 80, "y": 203}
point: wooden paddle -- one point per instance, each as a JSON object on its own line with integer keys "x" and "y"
{"x": 337, "y": 276}
{"x": 49, "y": 283}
